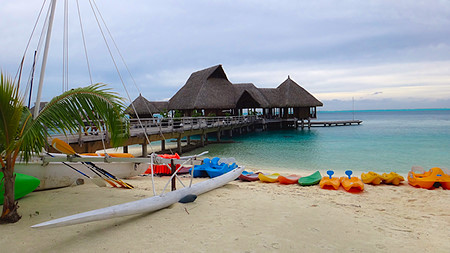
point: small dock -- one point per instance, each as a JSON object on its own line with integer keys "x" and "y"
{"x": 335, "y": 123}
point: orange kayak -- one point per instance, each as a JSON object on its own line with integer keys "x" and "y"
{"x": 352, "y": 184}
{"x": 272, "y": 178}
{"x": 433, "y": 178}
{"x": 329, "y": 183}
{"x": 291, "y": 179}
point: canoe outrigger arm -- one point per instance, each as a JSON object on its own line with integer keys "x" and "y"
{"x": 156, "y": 159}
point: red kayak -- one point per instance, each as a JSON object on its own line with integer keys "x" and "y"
{"x": 291, "y": 179}
{"x": 249, "y": 177}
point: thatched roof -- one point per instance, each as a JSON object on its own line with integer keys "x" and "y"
{"x": 145, "y": 108}
{"x": 249, "y": 96}
{"x": 210, "y": 89}
{"x": 205, "y": 89}
{"x": 293, "y": 95}
{"x": 272, "y": 95}
{"x": 160, "y": 105}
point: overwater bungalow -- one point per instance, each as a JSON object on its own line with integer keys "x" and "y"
{"x": 145, "y": 108}
{"x": 208, "y": 92}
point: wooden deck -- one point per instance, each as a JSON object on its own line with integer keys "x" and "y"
{"x": 158, "y": 129}
{"x": 335, "y": 123}
{"x": 162, "y": 130}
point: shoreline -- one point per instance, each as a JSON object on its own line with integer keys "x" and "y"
{"x": 239, "y": 217}
{"x": 136, "y": 151}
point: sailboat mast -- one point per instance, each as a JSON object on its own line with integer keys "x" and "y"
{"x": 44, "y": 59}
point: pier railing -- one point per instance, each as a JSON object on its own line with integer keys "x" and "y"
{"x": 189, "y": 123}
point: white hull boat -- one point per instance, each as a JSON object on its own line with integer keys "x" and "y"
{"x": 54, "y": 174}
{"x": 144, "y": 205}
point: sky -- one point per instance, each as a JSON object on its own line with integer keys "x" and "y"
{"x": 366, "y": 54}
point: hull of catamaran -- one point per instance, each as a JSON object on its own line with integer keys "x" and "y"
{"x": 56, "y": 174}
{"x": 144, "y": 205}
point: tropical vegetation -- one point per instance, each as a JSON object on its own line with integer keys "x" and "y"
{"x": 22, "y": 135}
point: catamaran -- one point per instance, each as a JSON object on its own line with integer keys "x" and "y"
{"x": 59, "y": 170}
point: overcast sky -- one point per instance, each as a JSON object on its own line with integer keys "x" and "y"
{"x": 384, "y": 54}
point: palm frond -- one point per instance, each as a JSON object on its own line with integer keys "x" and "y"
{"x": 96, "y": 104}
{"x": 10, "y": 113}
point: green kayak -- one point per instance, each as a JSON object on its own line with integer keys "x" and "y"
{"x": 311, "y": 179}
{"x": 24, "y": 184}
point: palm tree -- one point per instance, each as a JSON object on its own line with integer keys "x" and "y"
{"x": 21, "y": 134}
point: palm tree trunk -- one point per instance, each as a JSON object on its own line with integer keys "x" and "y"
{"x": 9, "y": 213}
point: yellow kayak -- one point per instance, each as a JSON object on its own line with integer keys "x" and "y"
{"x": 392, "y": 178}
{"x": 272, "y": 178}
{"x": 371, "y": 178}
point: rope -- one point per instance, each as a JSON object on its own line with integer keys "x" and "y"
{"x": 19, "y": 70}
{"x": 84, "y": 43}
{"x": 132, "y": 78}
{"x": 36, "y": 55}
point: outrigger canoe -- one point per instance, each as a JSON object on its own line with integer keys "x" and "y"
{"x": 144, "y": 205}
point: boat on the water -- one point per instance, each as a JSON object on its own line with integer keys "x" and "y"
{"x": 144, "y": 205}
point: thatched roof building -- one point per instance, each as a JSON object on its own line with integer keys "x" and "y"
{"x": 145, "y": 108}
{"x": 205, "y": 89}
{"x": 210, "y": 92}
{"x": 248, "y": 96}
{"x": 290, "y": 94}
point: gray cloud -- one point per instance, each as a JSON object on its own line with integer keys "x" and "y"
{"x": 335, "y": 49}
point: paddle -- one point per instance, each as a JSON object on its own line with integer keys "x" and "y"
{"x": 67, "y": 149}
{"x": 94, "y": 180}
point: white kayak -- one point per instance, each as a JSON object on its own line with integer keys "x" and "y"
{"x": 144, "y": 205}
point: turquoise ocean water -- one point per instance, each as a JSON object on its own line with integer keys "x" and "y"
{"x": 385, "y": 141}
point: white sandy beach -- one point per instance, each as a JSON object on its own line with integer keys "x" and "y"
{"x": 239, "y": 217}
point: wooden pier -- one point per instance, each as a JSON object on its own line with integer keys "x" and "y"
{"x": 182, "y": 129}
{"x": 334, "y": 123}
{"x": 162, "y": 129}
